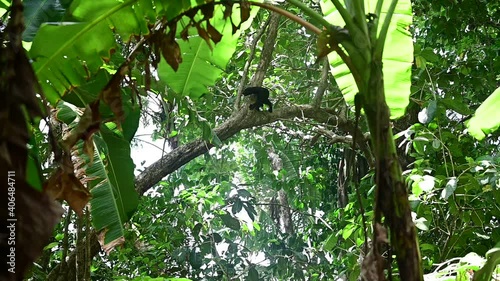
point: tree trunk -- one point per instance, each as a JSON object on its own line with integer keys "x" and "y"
{"x": 391, "y": 196}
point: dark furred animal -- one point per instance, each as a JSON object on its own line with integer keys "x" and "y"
{"x": 260, "y": 96}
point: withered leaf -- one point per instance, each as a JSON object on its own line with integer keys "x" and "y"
{"x": 111, "y": 245}
{"x": 88, "y": 148}
{"x": 63, "y": 185}
{"x": 171, "y": 51}
{"x": 228, "y": 10}
{"x": 203, "y": 34}
{"x": 88, "y": 125}
{"x": 191, "y": 13}
{"x": 185, "y": 32}
{"x": 214, "y": 33}
{"x": 36, "y": 215}
{"x": 244, "y": 11}
{"x": 111, "y": 94}
{"x": 208, "y": 10}
{"x": 172, "y": 29}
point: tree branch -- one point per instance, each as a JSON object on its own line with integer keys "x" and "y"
{"x": 323, "y": 84}
{"x": 267, "y": 50}
{"x": 248, "y": 63}
{"x": 241, "y": 120}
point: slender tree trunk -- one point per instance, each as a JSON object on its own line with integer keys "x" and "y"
{"x": 391, "y": 196}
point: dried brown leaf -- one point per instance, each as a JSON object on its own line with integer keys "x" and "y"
{"x": 214, "y": 33}
{"x": 185, "y": 32}
{"x": 228, "y": 10}
{"x": 86, "y": 127}
{"x": 203, "y": 34}
{"x": 88, "y": 148}
{"x": 244, "y": 11}
{"x": 208, "y": 11}
{"x": 63, "y": 185}
{"x": 112, "y": 96}
{"x": 111, "y": 245}
{"x": 191, "y": 13}
{"x": 171, "y": 51}
{"x": 36, "y": 215}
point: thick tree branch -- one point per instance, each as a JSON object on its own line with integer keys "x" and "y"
{"x": 243, "y": 119}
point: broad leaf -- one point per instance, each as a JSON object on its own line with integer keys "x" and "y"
{"x": 230, "y": 222}
{"x": 487, "y": 117}
{"x": 112, "y": 173}
{"x": 397, "y": 57}
{"x": 66, "y": 53}
{"x": 201, "y": 66}
{"x": 37, "y": 12}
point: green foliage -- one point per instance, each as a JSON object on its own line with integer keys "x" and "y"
{"x": 493, "y": 259}
{"x": 487, "y": 116}
{"x": 200, "y": 68}
{"x": 112, "y": 181}
{"x": 58, "y": 52}
{"x": 211, "y": 219}
{"x": 397, "y": 56}
{"x": 38, "y": 12}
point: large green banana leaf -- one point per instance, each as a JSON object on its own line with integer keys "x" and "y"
{"x": 397, "y": 57}
{"x": 68, "y": 58}
{"x": 114, "y": 198}
{"x": 486, "y": 119}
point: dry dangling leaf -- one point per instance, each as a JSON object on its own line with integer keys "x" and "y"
{"x": 203, "y": 34}
{"x": 208, "y": 11}
{"x": 171, "y": 51}
{"x": 63, "y": 185}
{"x": 89, "y": 123}
{"x": 112, "y": 96}
{"x": 214, "y": 33}
{"x": 111, "y": 245}
{"x": 244, "y": 11}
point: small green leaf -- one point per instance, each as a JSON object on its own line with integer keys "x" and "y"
{"x": 65, "y": 113}
{"x": 230, "y": 222}
{"x": 50, "y": 246}
{"x": 197, "y": 229}
{"x": 217, "y": 238}
{"x": 256, "y": 225}
{"x": 427, "y": 114}
{"x": 244, "y": 193}
{"x": 421, "y": 223}
{"x": 195, "y": 259}
{"x": 237, "y": 206}
{"x": 253, "y": 274}
{"x": 330, "y": 242}
{"x": 348, "y": 230}
{"x": 449, "y": 189}
{"x": 250, "y": 210}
